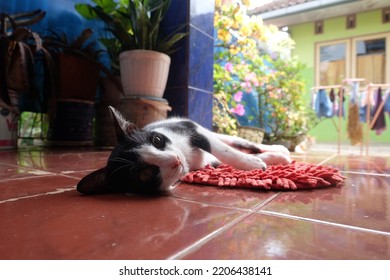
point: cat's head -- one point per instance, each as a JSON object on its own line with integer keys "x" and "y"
{"x": 144, "y": 161}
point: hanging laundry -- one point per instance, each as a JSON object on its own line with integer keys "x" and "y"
{"x": 354, "y": 126}
{"x": 332, "y": 96}
{"x": 387, "y": 101}
{"x": 379, "y": 124}
{"x": 323, "y": 105}
{"x": 338, "y": 106}
{"x": 336, "y": 102}
{"x": 365, "y": 100}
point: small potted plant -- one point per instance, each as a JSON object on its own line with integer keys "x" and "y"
{"x": 78, "y": 64}
{"x": 260, "y": 84}
{"x": 144, "y": 54}
{"x": 71, "y": 109}
{"x": 18, "y": 48}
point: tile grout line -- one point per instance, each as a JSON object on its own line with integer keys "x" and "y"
{"x": 367, "y": 173}
{"x": 265, "y": 202}
{"x": 293, "y": 217}
{"x": 353, "y": 172}
{"x": 327, "y": 159}
{"x": 27, "y": 177}
{"x": 201, "y": 31}
{"x": 200, "y": 242}
{"x": 235, "y": 208}
{"x": 58, "y": 191}
{"x": 30, "y": 170}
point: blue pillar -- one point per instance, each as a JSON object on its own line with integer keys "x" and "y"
{"x": 190, "y": 83}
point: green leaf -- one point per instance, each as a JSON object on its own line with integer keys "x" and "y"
{"x": 86, "y": 11}
{"x": 107, "y": 5}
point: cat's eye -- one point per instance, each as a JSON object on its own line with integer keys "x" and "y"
{"x": 146, "y": 174}
{"x": 157, "y": 141}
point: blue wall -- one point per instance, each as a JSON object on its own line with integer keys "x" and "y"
{"x": 60, "y": 14}
{"x": 190, "y": 84}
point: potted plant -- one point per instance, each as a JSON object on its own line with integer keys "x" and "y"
{"x": 71, "y": 109}
{"x": 259, "y": 83}
{"x": 18, "y": 47}
{"x": 78, "y": 64}
{"x": 144, "y": 49}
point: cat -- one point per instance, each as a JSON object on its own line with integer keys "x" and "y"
{"x": 305, "y": 145}
{"x": 154, "y": 158}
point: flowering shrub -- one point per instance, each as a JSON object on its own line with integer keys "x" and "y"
{"x": 256, "y": 82}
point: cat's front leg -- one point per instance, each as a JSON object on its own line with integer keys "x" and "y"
{"x": 200, "y": 159}
{"x": 273, "y": 158}
{"x": 273, "y": 148}
{"x": 235, "y": 158}
{"x": 223, "y": 151}
{"x": 250, "y": 147}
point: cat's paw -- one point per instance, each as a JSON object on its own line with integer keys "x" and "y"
{"x": 273, "y": 158}
{"x": 251, "y": 163}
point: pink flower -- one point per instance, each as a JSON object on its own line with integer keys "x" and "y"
{"x": 250, "y": 76}
{"x": 247, "y": 86}
{"x": 250, "y": 79}
{"x": 229, "y": 67}
{"x": 238, "y": 110}
{"x": 238, "y": 96}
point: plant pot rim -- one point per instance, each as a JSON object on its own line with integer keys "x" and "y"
{"x": 145, "y": 53}
{"x": 251, "y": 127}
{"x": 144, "y": 97}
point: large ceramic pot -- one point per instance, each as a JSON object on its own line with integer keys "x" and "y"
{"x": 144, "y": 72}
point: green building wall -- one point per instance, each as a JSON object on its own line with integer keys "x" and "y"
{"x": 367, "y": 23}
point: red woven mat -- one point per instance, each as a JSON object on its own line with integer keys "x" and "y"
{"x": 294, "y": 176}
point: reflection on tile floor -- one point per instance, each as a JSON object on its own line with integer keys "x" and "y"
{"x": 44, "y": 217}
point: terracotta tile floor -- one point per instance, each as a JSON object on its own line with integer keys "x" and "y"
{"x": 42, "y": 216}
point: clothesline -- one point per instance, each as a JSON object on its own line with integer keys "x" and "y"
{"x": 354, "y": 80}
{"x": 326, "y": 87}
{"x": 356, "y": 131}
{"x": 340, "y": 109}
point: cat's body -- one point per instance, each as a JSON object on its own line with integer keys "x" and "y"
{"x": 156, "y": 157}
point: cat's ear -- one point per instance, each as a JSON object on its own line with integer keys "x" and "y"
{"x": 94, "y": 182}
{"x": 122, "y": 126}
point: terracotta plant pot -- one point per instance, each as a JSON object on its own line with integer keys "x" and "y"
{"x": 78, "y": 77}
{"x": 144, "y": 72}
{"x": 144, "y": 110}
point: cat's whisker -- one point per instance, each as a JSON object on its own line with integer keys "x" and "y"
{"x": 118, "y": 159}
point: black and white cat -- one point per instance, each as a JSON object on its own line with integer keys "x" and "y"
{"x": 155, "y": 157}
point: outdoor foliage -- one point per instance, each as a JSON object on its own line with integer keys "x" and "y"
{"x": 134, "y": 23}
{"x": 253, "y": 67}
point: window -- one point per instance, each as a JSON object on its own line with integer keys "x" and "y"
{"x": 332, "y": 63}
{"x": 361, "y": 57}
{"x": 369, "y": 58}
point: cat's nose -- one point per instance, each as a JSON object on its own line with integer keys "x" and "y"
{"x": 176, "y": 163}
